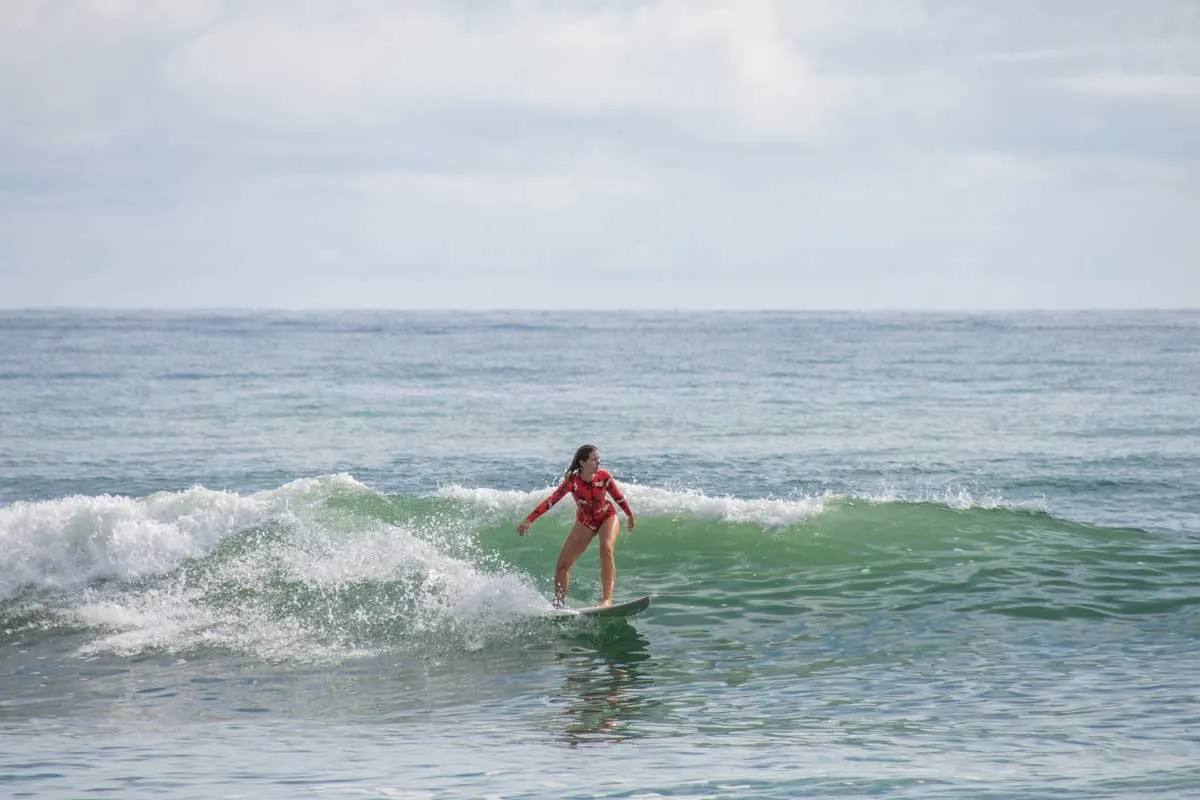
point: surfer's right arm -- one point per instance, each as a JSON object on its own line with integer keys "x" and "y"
{"x": 545, "y": 506}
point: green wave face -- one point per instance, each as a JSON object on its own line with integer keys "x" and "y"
{"x": 857, "y": 556}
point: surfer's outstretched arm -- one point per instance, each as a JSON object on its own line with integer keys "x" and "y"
{"x": 545, "y": 506}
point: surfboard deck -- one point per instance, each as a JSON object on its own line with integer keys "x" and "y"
{"x": 625, "y": 609}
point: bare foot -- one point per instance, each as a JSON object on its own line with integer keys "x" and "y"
{"x": 603, "y": 603}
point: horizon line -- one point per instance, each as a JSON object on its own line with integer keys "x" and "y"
{"x": 567, "y": 310}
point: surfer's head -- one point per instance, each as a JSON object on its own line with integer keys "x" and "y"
{"x": 581, "y": 456}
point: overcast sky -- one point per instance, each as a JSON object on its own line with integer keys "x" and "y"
{"x": 600, "y": 155}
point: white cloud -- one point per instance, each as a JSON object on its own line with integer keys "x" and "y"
{"x": 84, "y": 76}
{"x": 586, "y": 182}
{"x": 727, "y": 64}
{"x": 731, "y": 65}
{"x": 1185, "y": 87}
{"x": 711, "y": 152}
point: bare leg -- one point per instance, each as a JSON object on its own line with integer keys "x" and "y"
{"x": 577, "y": 541}
{"x": 610, "y": 529}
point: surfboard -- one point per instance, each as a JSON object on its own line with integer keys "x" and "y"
{"x": 625, "y": 609}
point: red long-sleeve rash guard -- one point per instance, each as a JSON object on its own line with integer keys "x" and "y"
{"x": 592, "y": 507}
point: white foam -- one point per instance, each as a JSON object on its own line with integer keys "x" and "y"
{"x": 657, "y": 502}
{"x": 345, "y": 587}
{"x": 496, "y": 500}
{"x": 769, "y": 512}
{"x": 175, "y": 620}
{"x": 958, "y": 498}
{"x": 68, "y": 543}
{"x": 158, "y": 618}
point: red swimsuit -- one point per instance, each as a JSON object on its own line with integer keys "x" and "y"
{"x": 592, "y": 507}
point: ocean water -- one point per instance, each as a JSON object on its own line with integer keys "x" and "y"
{"x": 253, "y": 554}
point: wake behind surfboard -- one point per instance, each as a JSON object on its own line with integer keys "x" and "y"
{"x": 625, "y": 609}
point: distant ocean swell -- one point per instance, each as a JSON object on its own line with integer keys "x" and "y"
{"x": 328, "y": 569}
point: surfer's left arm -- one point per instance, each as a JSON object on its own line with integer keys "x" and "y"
{"x": 617, "y": 495}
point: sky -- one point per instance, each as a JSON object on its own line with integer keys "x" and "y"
{"x": 578, "y": 154}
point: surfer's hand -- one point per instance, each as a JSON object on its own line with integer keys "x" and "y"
{"x": 524, "y": 526}
{"x": 631, "y": 524}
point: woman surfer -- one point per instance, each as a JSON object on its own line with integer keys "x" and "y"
{"x": 594, "y": 515}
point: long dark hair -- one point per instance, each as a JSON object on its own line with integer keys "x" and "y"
{"x": 581, "y": 455}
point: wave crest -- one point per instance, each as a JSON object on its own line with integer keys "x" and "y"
{"x": 74, "y": 541}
